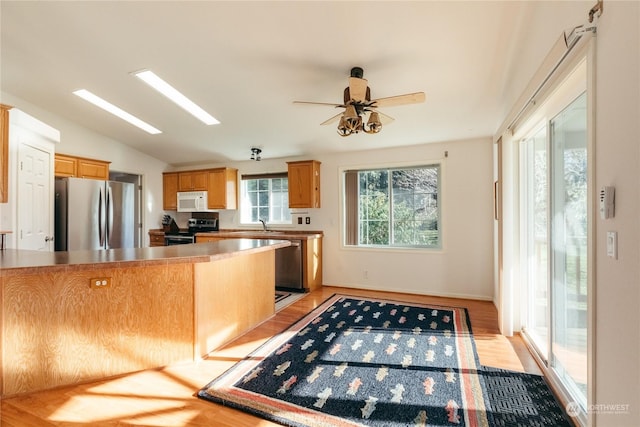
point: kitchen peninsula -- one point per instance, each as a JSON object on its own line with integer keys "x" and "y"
{"x": 72, "y": 317}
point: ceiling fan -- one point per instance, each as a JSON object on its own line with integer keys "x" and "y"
{"x": 360, "y": 111}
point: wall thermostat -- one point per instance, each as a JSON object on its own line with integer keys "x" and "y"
{"x": 607, "y": 202}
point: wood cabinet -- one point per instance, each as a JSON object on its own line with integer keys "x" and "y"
{"x": 93, "y": 169}
{"x": 192, "y": 181}
{"x": 170, "y": 191}
{"x": 4, "y": 153}
{"x": 304, "y": 184}
{"x": 222, "y": 188}
{"x": 66, "y": 166}
{"x": 221, "y": 185}
{"x": 80, "y": 167}
{"x": 156, "y": 238}
{"x": 57, "y": 329}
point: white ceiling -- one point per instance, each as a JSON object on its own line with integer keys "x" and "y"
{"x": 245, "y": 62}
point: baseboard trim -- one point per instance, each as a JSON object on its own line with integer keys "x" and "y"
{"x": 414, "y": 292}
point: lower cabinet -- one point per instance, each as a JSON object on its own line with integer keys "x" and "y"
{"x": 156, "y": 238}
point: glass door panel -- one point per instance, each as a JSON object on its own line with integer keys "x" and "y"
{"x": 535, "y": 238}
{"x": 568, "y": 139}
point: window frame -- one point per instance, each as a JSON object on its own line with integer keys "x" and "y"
{"x": 245, "y": 216}
{"x": 438, "y": 163}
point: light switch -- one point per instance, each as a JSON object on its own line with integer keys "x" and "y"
{"x": 612, "y": 244}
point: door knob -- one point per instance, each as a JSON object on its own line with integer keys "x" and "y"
{"x": 48, "y": 239}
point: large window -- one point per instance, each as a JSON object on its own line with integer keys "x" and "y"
{"x": 265, "y": 197}
{"x": 393, "y": 207}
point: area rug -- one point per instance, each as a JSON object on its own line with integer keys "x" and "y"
{"x": 521, "y": 399}
{"x": 361, "y": 361}
{"x": 281, "y": 295}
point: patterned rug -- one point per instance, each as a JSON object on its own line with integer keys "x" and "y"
{"x": 520, "y": 399}
{"x": 360, "y": 361}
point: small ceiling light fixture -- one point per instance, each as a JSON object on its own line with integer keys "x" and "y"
{"x": 150, "y": 78}
{"x": 255, "y": 154}
{"x": 116, "y": 111}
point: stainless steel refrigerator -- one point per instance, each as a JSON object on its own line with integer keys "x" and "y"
{"x": 93, "y": 214}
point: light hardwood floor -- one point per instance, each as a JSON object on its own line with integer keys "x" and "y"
{"x": 166, "y": 397}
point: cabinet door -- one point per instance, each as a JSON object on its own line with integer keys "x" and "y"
{"x": 304, "y": 184}
{"x": 222, "y": 189}
{"x": 93, "y": 169}
{"x": 170, "y": 191}
{"x": 156, "y": 239}
{"x": 192, "y": 181}
{"x": 65, "y": 166}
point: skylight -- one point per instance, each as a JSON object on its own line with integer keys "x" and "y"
{"x": 116, "y": 111}
{"x": 174, "y": 95}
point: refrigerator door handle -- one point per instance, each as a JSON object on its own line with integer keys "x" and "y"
{"x": 109, "y": 215}
{"x": 101, "y": 218}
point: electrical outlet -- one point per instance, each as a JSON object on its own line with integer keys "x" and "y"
{"x": 300, "y": 220}
{"x": 307, "y": 220}
{"x": 100, "y": 282}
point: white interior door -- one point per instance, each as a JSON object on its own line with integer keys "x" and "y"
{"x": 34, "y": 199}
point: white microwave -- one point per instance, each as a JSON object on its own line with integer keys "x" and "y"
{"x": 192, "y": 201}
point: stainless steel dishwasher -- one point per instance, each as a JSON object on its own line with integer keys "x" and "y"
{"x": 289, "y": 267}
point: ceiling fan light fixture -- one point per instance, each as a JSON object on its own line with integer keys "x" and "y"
{"x": 255, "y": 154}
{"x": 350, "y": 113}
{"x": 343, "y": 128}
{"x": 374, "y": 125}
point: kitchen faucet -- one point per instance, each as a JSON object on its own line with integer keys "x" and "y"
{"x": 264, "y": 225}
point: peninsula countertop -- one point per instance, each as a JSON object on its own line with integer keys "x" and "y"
{"x": 261, "y": 234}
{"x": 14, "y": 261}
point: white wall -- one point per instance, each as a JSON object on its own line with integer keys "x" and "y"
{"x": 80, "y": 141}
{"x": 617, "y": 163}
{"x": 463, "y": 267}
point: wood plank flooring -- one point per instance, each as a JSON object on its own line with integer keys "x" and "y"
{"x": 166, "y": 397}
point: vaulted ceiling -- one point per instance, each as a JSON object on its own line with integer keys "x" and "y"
{"x": 246, "y": 62}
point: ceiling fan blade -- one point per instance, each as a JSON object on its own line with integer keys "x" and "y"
{"x": 409, "y": 98}
{"x": 358, "y": 89}
{"x": 385, "y": 119}
{"x": 331, "y": 119}
{"x": 318, "y": 103}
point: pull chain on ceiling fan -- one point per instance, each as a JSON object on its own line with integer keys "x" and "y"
{"x": 360, "y": 111}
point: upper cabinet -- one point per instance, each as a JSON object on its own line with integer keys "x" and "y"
{"x": 221, "y": 185}
{"x": 170, "y": 191}
{"x": 304, "y": 184}
{"x": 222, "y": 188}
{"x": 4, "y": 153}
{"x": 81, "y": 167}
{"x": 192, "y": 181}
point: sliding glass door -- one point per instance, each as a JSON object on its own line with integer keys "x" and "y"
{"x": 569, "y": 247}
{"x": 553, "y": 225}
{"x": 535, "y": 241}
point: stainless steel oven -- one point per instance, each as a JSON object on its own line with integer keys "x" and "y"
{"x": 196, "y": 225}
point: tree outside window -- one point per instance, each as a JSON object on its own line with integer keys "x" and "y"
{"x": 397, "y": 207}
